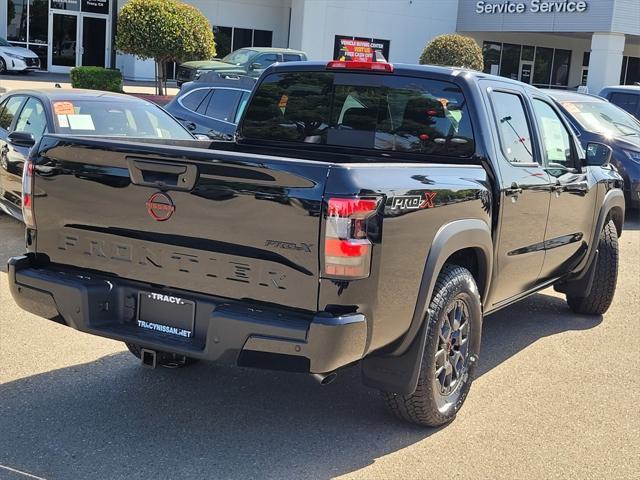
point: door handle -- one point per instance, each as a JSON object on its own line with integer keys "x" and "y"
{"x": 514, "y": 190}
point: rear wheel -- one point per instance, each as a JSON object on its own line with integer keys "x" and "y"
{"x": 451, "y": 350}
{"x": 165, "y": 359}
{"x": 605, "y": 278}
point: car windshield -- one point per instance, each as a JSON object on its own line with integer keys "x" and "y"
{"x": 239, "y": 57}
{"x": 603, "y": 117}
{"x": 114, "y": 118}
{"x": 4, "y": 43}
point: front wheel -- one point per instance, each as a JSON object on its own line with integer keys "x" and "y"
{"x": 450, "y": 354}
{"x": 605, "y": 278}
{"x": 3, "y": 66}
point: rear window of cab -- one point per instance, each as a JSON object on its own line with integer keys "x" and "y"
{"x": 387, "y": 113}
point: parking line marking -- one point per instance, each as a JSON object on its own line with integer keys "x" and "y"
{"x": 28, "y": 475}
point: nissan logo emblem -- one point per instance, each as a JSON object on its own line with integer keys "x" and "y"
{"x": 160, "y": 206}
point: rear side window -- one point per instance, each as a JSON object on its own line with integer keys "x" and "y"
{"x": 9, "y": 111}
{"x": 514, "y": 131}
{"x": 222, "y": 104}
{"x": 626, "y": 101}
{"x": 379, "y": 112}
{"x": 291, "y": 57}
{"x": 193, "y": 99}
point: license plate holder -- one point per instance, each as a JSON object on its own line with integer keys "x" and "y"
{"x": 166, "y": 314}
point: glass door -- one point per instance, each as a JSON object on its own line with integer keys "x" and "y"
{"x": 94, "y": 41}
{"x": 526, "y": 71}
{"x": 63, "y": 36}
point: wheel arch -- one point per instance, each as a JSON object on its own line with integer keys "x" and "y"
{"x": 466, "y": 241}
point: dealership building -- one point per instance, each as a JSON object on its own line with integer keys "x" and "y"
{"x": 548, "y": 43}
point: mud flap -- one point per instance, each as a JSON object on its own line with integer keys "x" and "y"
{"x": 397, "y": 374}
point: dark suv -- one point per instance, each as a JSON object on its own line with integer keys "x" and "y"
{"x": 626, "y": 97}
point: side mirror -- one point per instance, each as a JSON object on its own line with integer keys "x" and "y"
{"x": 256, "y": 66}
{"x": 21, "y": 139}
{"x": 598, "y": 154}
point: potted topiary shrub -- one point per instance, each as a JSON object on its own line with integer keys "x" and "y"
{"x": 453, "y": 50}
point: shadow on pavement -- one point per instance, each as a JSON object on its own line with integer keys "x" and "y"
{"x": 114, "y": 419}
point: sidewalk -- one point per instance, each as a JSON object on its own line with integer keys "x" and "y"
{"x": 38, "y": 80}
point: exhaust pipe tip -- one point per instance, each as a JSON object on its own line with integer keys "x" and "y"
{"x": 325, "y": 378}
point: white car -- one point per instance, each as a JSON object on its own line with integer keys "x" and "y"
{"x": 17, "y": 59}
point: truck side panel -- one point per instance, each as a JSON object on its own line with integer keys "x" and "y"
{"x": 418, "y": 200}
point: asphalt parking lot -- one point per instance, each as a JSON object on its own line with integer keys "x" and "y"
{"x": 557, "y": 397}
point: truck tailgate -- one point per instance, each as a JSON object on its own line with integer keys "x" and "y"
{"x": 228, "y": 224}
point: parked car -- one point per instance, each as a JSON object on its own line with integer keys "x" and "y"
{"x": 366, "y": 214}
{"x": 626, "y": 97}
{"x": 212, "y": 105}
{"x": 245, "y": 61}
{"x": 26, "y": 115}
{"x": 597, "y": 120}
{"x": 17, "y": 59}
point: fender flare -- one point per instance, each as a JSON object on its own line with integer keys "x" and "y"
{"x": 398, "y": 372}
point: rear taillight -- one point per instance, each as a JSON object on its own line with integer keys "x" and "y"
{"x": 347, "y": 250}
{"x": 27, "y": 195}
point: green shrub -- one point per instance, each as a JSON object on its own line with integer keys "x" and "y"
{"x": 453, "y": 50}
{"x": 96, "y": 78}
{"x": 165, "y": 30}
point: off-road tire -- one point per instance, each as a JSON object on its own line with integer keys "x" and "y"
{"x": 605, "y": 278}
{"x": 454, "y": 283}
{"x": 164, "y": 359}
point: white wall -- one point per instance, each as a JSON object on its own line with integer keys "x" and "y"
{"x": 408, "y": 24}
{"x": 257, "y": 14}
{"x": 3, "y": 18}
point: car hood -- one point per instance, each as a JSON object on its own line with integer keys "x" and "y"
{"x": 23, "y": 52}
{"x": 209, "y": 65}
{"x": 629, "y": 142}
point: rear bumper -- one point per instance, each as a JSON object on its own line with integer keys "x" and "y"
{"x": 225, "y": 331}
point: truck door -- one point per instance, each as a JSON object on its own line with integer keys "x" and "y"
{"x": 524, "y": 195}
{"x": 573, "y": 199}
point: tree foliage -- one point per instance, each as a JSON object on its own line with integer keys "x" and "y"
{"x": 453, "y": 50}
{"x": 164, "y": 30}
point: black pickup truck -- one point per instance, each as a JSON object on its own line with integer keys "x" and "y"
{"x": 366, "y": 214}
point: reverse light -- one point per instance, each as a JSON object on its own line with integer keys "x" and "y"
{"x": 27, "y": 195}
{"x": 347, "y": 250}
{"x": 351, "y": 65}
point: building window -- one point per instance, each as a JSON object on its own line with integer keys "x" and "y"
{"x": 242, "y": 38}
{"x": 229, "y": 39}
{"x": 630, "y": 73}
{"x": 27, "y": 25}
{"x": 560, "y": 70}
{"x": 542, "y": 66}
{"x": 528, "y": 53}
{"x": 510, "y": 62}
{"x": 550, "y": 66}
{"x": 491, "y": 52}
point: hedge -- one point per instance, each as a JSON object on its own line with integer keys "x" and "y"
{"x": 96, "y": 78}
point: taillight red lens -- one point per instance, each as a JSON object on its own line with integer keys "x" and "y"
{"x": 27, "y": 198}
{"x": 347, "y": 250}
